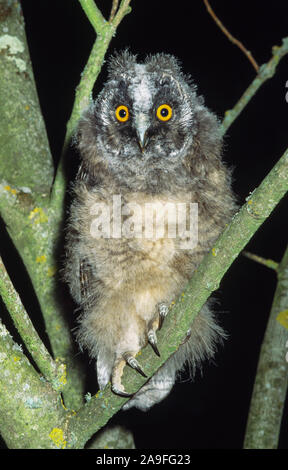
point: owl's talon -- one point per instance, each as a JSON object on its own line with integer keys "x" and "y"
{"x": 152, "y": 339}
{"x": 121, "y": 393}
{"x": 163, "y": 311}
{"x": 132, "y": 362}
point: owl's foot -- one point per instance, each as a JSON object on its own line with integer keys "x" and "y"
{"x": 163, "y": 310}
{"x": 129, "y": 358}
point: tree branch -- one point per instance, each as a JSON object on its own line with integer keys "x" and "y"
{"x": 271, "y": 382}
{"x": 53, "y": 372}
{"x": 113, "y": 9}
{"x": 269, "y": 263}
{"x": 266, "y": 71}
{"x": 23, "y": 139}
{"x": 30, "y": 409}
{"x": 123, "y": 10}
{"x": 94, "y": 15}
{"x": 35, "y": 233}
{"x": 34, "y": 228}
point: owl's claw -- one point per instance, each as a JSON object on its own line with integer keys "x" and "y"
{"x": 152, "y": 339}
{"x": 134, "y": 363}
{"x": 121, "y": 393}
{"x": 163, "y": 311}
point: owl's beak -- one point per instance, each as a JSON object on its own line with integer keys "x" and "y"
{"x": 142, "y": 125}
{"x": 142, "y": 138}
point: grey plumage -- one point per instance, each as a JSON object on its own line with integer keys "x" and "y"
{"x": 148, "y": 138}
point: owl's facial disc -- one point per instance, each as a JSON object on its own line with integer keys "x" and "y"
{"x": 144, "y": 120}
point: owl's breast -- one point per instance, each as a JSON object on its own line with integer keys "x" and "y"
{"x": 137, "y": 236}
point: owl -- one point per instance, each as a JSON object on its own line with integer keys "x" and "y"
{"x": 150, "y": 166}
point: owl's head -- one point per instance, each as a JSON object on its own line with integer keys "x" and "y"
{"x": 145, "y": 117}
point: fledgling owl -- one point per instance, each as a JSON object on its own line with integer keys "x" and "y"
{"x": 148, "y": 146}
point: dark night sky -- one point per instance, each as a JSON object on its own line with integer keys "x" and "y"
{"x": 212, "y": 412}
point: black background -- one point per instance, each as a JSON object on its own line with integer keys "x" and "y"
{"x": 212, "y": 412}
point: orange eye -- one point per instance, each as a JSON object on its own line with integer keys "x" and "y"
{"x": 122, "y": 113}
{"x": 164, "y": 112}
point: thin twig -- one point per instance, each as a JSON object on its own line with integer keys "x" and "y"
{"x": 269, "y": 263}
{"x": 93, "y": 14}
{"x": 123, "y": 10}
{"x": 113, "y": 10}
{"x": 266, "y": 71}
{"x": 230, "y": 37}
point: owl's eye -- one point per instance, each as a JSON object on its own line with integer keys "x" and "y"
{"x": 122, "y": 113}
{"x": 164, "y": 112}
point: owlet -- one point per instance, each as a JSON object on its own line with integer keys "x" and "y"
{"x": 150, "y": 198}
